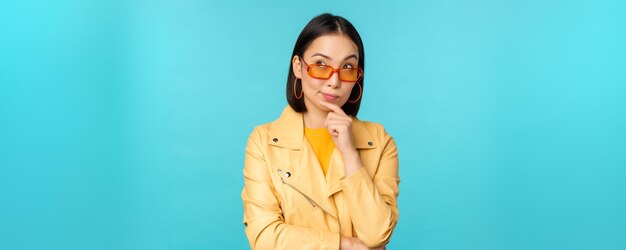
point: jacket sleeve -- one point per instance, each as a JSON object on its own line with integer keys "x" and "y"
{"x": 373, "y": 202}
{"x": 263, "y": 218}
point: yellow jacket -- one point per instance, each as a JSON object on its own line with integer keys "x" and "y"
{"x": 289, "y": 203}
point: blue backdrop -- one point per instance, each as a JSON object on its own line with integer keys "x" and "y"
{"x": 123, "y": 123}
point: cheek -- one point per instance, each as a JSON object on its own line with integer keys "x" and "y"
{"x": 347, "y": 89}
{"x": 311, "y": 85}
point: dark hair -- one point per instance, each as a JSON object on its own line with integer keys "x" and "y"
{"x": 321, "y": 25}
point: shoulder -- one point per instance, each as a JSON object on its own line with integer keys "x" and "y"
{"x": 386, "y": 143}
{"x": 374, "y": 128}
{"x": 260, "y": 131}
{"x": 287, "y": 119}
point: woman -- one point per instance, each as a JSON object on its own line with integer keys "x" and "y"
{"x": 317, "y": 177}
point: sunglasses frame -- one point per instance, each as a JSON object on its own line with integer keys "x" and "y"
{"x": 310, "y": 66}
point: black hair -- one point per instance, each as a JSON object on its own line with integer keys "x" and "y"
{"x": 321, "y": 25}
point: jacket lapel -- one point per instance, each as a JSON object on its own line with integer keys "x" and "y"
{"x": 336, "y": 169}
{"x": 305, "y": 171}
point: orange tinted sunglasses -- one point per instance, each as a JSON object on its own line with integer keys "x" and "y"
{"x": 325, "y": 72}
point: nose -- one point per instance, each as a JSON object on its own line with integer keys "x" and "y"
{"x": 334, "y": 81}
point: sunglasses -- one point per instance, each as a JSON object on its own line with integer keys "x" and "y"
{"x": 320, "y": 71}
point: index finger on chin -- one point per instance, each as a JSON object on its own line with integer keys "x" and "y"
{"x": 333, "y": 107}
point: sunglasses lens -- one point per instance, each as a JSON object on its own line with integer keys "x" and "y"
{"x": 349, "y": 75}
{"x": 325, "y": 72}
{"x": 320, "y": 71}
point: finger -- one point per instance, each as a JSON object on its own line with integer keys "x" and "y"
{"x": 333, "y": 132}
{"x": 333, "y": 107}
{"x": 332, "y": 116}
{"x": 347, "y": 121}
{"x": 339, "y": 123}
{"x": 335, "y": 114}
{"x": 338, "y": 127}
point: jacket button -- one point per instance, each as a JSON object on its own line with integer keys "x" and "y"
{"x": 275, "y": 139}
{"x": 370, "y": 143}
{"x": 288, "y": 174}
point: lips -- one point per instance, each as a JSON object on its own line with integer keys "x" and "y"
{"x": 330, "y": 97}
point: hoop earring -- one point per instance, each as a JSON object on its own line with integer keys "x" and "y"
{"x": 360, "y": 93}
{"x": 295, "y": 82}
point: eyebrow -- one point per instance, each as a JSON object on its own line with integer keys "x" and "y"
{"x": 328, "y": 57}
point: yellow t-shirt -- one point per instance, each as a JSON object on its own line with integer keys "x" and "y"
{"x": 322, "y": 144}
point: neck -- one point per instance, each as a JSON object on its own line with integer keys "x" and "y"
{"x": 314, "y": 118}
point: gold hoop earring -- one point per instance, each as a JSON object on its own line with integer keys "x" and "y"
{"x": 360, "y": 93}
{"x": 295, "y": 82}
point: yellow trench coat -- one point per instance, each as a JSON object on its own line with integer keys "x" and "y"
{"x": 289, "y": 203}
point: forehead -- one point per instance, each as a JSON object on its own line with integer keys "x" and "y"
{"x": 334, "y": 46}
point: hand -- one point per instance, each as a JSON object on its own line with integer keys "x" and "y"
{"x": 340, "y": 127}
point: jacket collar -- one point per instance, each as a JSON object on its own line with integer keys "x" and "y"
{"x": 305, "y": 173}
{"x": 288, "y": 131}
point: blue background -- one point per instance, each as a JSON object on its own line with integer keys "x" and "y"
{"x": 123, "y": 123}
